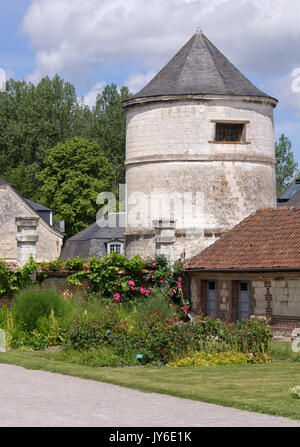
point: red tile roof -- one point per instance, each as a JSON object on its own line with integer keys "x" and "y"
{"x": 268, "y": 239}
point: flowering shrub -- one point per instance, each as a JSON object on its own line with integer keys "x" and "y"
{"x": 113, "y": 278}
{"x": 220, "y": 358}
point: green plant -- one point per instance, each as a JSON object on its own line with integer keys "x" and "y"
{"x": 219, "y": 358}
{"x": 33, "y": 303}
{"x": 14, "y": 280}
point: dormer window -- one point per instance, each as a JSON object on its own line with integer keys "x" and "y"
{"x": 116, "y": 247}
{"x": 230, "y": 132}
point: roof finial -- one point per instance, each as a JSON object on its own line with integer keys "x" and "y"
{"x": 199, "y": 30}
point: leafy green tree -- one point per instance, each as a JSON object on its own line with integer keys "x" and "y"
{"x": 32, "y": 120}
{"x": 110, "y": 127}
{"x": 75, "y": 173}
{"x": 286, "y": 166}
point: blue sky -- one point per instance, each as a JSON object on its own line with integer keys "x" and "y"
{"x": 96, "y": 42}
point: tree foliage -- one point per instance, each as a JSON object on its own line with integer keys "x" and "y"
{"x": 110, "y": 127}
{"x": 286, "y": 166}
{"x": 34, "y": 119}
{"x": 75, "y": 173}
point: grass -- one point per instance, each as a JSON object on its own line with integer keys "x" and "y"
{"x": 261, "y": 387}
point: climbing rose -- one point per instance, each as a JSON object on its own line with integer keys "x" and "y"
{"x": 185, "y": 308}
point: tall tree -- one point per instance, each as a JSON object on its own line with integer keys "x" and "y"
{"x": 75, "y": 173}
{"x": 286, "y": 166}
{"x": 110, "y": 127}
{"x": 32, "y": 120}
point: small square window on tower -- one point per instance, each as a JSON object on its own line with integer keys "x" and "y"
{"x": 230, "y": 132}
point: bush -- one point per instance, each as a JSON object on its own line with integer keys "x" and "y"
{"x": 33, "y": 303}
{"x": 156, "y": 303}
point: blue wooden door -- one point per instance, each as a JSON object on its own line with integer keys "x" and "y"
{"x": 212, "y": 299}
{"x": 244, "y": 300}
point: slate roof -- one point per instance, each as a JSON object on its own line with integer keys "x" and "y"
{"x": 268, "y": 239}
{"x": 199, "y": 68}
{"x": 90, "y": 241}
{"x": 96, "y": 232}
{"x": 36, "y": 206}
{"x": 290, "y": 196}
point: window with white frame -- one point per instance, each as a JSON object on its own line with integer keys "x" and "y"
{"x": 116, "y": 247}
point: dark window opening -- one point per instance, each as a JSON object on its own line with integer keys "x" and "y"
{"x": 211, "y": 285}
{"x": 244, "y": 286}
{"x": 230, "y": 132}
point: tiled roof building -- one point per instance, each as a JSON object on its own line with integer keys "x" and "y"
{"x": 253, "y": 269}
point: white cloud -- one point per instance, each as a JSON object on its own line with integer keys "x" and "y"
{"x": 285, "y": 90}
{"x": 76, "y": 38}
{"x": 90, "y": 98}
{"x": 136, "y": 81}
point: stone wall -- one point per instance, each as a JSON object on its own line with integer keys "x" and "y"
{"x": 273, "y": 295}
{"x": 172, "y": 161}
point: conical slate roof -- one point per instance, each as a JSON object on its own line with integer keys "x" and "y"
{"x": 199, "y": 68}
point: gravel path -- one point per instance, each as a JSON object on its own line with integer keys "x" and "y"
{"x": 31, "y": 398}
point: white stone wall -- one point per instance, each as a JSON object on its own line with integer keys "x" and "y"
{"x": 186, "y": 127}
{"x": 49, "y": 241}
{"x": 259, "y": 292}
{"x": 169, "y": 150}
{"x": 286, "y": 297}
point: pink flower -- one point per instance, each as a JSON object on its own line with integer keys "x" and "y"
{"x": 179, "y": 285}
{"x": 117, "y": 297}
{"x": 140, "y": 341}
{"x": 185, "y": 308}
{"x": 71, "y": 327}
{"x": 179, "y": 279}
{"x": 161, "y": 280}
{"x": 170, "y": 305}
{"x": 174, "y": 290}
{"x": 171, "y": 294}
{"x": 142, "y": 290}
{"x": 154, "y": 264}
{"x": 132, "y": 288}
{"x": 131, "y": 283}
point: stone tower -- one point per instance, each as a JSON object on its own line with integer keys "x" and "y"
{"x": 199, "y": 153}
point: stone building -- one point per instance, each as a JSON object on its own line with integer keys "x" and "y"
{"x": 253, "y": 269}
{"x": 96, "y": 241}
{"x": 199, "y": 153}
{"x": 26, "y": 228}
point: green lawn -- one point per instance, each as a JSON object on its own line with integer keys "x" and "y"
{"x": 262, "y": 388}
